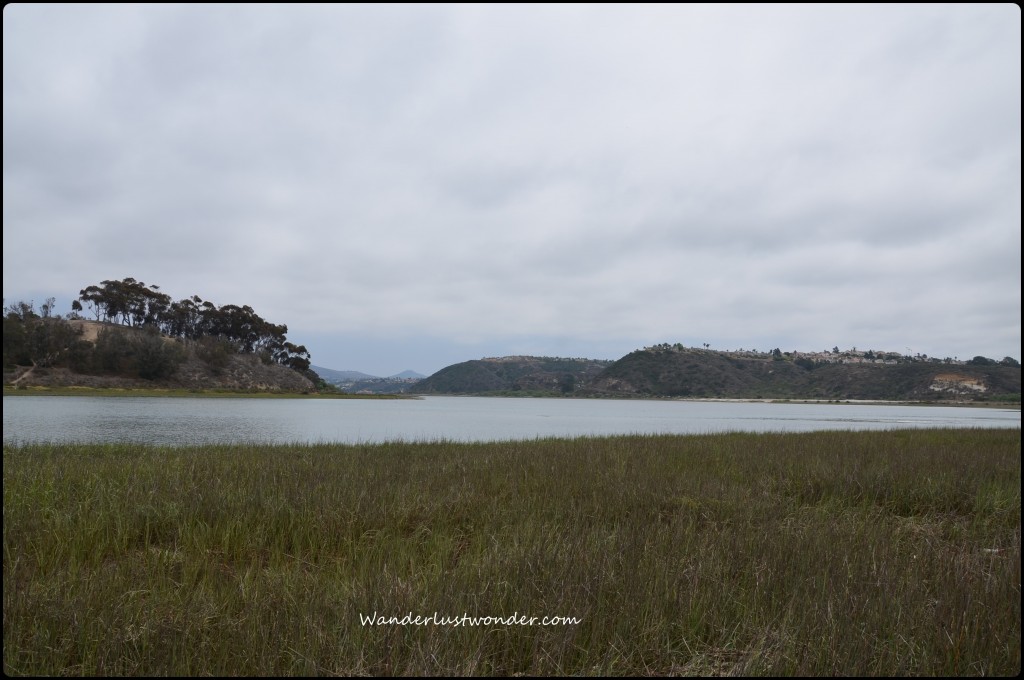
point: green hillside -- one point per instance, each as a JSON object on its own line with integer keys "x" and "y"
{"x": 141, "y": 338}
{"x": 673, "y": 371}
{"x": 517, "y": 375}
{"x": 682, "y": 372}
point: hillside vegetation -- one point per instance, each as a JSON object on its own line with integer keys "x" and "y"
{"x": 674, "y": 371}
{"x": 520, "y": 374}
{"x": 140, "y": 338}
{"x": 687, "y": 372}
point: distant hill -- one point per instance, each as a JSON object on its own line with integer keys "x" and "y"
{"x": 517, "y": 374}
{"x": 677, "y": 371}
{"x": 332, "y": 376}
{"x": 336, "y": 377}
{"x": 672, "y": 371}
{"x": 408, "y": 374}
{"x": 354, "y": 382}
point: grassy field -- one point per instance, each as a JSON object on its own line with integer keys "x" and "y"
{"x": 871, "y": 553}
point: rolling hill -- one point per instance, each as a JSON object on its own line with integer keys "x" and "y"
{"x": 687, "y": 372}
{"x": 678, "y": 372}
{"x": 518, "y": 374}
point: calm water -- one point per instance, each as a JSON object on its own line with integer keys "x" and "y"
{"x": 202, "y": 421}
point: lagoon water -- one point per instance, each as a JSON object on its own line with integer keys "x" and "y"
{"x": 187, "y": 421}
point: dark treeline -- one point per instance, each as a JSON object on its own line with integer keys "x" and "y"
{"x": 132, "y": 303}
{"x": 41, "y": 338}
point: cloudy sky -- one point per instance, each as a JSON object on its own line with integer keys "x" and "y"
{"x": 407, "y": 187}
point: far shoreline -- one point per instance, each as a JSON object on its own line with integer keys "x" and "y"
{"x": 1009, "y": 405}
{"x": 156, "y": 392}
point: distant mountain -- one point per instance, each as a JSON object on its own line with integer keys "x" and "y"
{"x": 354, "y": 382}
{"x": 333, "y": 376}
{"x": 408, "y": 374}
{"x": 522, "y": 374}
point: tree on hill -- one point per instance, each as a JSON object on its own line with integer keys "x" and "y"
{"x": 128, "y": 302}
{"x": 37, "y": 339}
{"x": 135, "y": 304}
{"x": 154, "y": 348}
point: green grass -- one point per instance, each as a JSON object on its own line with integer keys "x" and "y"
{"x": 870, "y": 553}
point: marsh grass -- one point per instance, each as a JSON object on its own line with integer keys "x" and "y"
{"x": 870, "y": 553}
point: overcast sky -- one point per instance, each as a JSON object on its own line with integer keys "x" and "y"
{"x": 407, "y": 187}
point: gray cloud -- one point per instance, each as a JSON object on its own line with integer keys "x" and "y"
{"x": 501, "y": 177}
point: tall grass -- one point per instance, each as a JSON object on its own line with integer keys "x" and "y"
{"x": 870, "y": 553}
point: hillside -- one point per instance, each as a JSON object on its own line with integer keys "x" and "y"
{"x": 106, "y": 355}
{"x": 355, "y": 382}
{"x": 141, "y": 337}
{"x": 687, "y": 372}
{"x": 242, "y": 373}
{"x": 676, "y": 371}
{"x": 337, "y": 377}
{"x": 519, "y": 374}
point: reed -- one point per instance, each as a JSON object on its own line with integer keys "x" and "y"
{"x": 869, "y": 553}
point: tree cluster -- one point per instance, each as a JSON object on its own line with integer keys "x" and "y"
{"x": 155, "y": 349}
{"x": 135, "y": 304}
{"x": 38, "y": 338}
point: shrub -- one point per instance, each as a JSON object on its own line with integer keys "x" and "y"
{"x": 214, "y": 352}
{"x": 156, "y": 357}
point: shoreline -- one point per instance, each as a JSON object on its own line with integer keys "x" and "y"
{"x": 81, "y": 391}
{"x": 1011, "y": 405}
{"x": 156, "y": 392}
